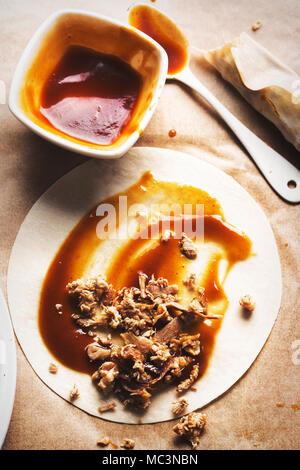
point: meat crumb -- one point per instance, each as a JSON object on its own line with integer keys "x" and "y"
{"x": 74, "y": 393}
{"x": 103, "y": 441}
{"x": 179, "y": 406}
{"x": 58, "y": 308}
{"x": 107, "y": 407}
{"x": 187, "y": 247}
{"x": 247, "y": 303}
{"x": 143, "y": 278}
{"x": 190, "y": 427}
{"x": 190, "y": 282}
{"x": 128, "y": 444}
{"x": 107, "y": 373}
{"x": 187, "y": 383}
{"x": 256, "y": 25}
{"x": 53, "y": 368}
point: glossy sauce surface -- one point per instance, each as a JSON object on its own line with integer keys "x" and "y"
{"x": 157, "y": 26}
{"x": 163, "y": 259}
{"x": 60, "y": 333}
{"x": 90, "y": 96}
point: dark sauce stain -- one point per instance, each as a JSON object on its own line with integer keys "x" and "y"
{"x": 60, "y": 333}
{"x": 90, "y": 95}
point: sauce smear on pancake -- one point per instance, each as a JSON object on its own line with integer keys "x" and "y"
{"x": 90, "y": 95}
{"x": 152, "y": 257}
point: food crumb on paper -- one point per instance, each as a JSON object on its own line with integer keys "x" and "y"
{"x": 190, "y": 427}
{"x": 103, "y": 441}
{"x": 257, "y": 25}
{"x": 128, "y": 444}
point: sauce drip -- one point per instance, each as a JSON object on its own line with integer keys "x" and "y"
{"x": 60, "y": 334}
{"x": 172, "y": 132}
{"x": 90, "y": 96}
{"x": 158, "y": 27}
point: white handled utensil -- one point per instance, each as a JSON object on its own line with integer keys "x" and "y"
{"x": 282, "y": 176}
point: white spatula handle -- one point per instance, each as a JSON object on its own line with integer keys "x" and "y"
{"x": 282, "y": 176}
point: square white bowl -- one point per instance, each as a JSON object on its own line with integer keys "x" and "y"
{"x": 109, "y": 26}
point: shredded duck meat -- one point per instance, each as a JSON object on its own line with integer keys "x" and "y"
{"x": 187, "y": 383}
{"x": 152, "y": 324}
{"x": 187, "y": 247}
{"x": 190, "y": 427}
{"x": 179, "y": 406}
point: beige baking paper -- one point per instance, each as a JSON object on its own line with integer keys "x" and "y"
{"x": 61, "y": 207}
{"x": 267, "y": 84}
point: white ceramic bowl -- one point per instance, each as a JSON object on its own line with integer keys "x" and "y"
{"x": 136, "y": 48}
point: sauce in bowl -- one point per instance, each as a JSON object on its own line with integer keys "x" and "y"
{"x": 156, "y": 25}
{"x": 90, "y": 95}
{"x": 91, "y": 84}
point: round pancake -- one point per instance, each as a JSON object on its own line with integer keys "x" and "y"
{"x": 61, "y": 207}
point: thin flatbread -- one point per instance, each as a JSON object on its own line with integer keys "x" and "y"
{"x": 61, "y": 207}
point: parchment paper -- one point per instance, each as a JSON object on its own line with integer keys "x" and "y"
{"x": 247, "y": 416}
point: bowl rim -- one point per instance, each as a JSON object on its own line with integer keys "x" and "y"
{"x": 26, "y": 60}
